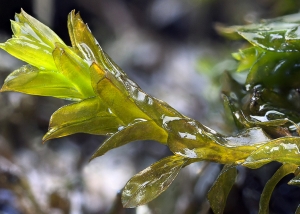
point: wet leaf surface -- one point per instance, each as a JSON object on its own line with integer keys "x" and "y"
{"x": 218, "y": 193}
{"x": 152, "y": 181}
{"x": 284, "y": 170}
{"x": 284, "y": 150}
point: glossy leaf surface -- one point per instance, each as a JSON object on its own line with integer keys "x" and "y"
{"x": 140, "y": 130}
{"x": 88, "y": 116}
{"x": 217, "y": 195}
{"x": 152, "y": 181}
{"x": 193, "y": 140}
{"x": 31, "y": 80}
{"x": 284, "y": 170}
{"x": 284, "y": 150}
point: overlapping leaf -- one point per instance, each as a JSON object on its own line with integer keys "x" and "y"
{"x": 284, "y": 170}
{"x": 191, "y": 139}
{"x": 152, "y": 181}
{"x": 284, "y": 150}
{"x": 218, "y": 193}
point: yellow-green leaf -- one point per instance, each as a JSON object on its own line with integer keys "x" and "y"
{"x": 284, "y": 170}
{"x": 191, "y": 139}
{"x": 30, "y": 51}
{"x": 284, "y": 150}
{"x": 74, "y": 68}
{"x": 218, "y": 193}
{"x": 37, "y": 29}
{"x": 33, "y": 42}
{"x": 88, "y": 116}
{"x": 31, "y": 80}
{"x": 152, "y": 181}
{"x": 119, "y": 102}
{"x": 140, "y": 130}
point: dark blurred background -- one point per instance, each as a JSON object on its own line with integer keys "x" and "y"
{"x": 170, "y": 48}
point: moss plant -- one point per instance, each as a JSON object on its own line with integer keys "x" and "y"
{"x": 107, "y": 102}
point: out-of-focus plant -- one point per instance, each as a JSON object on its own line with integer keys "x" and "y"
{"x": 107, "y": 102}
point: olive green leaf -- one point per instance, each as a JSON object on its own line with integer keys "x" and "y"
{"x": 284, "y": 150}
{"x": 152, "y": 181}
{"x": 90, "y": 116}
{"x": 191, "y": 139}
{"x": 273, "y": 35}
{"x": 218, "y": 193}
{"x": 86, "y": 46}
{"x": 115, "y": 97}
{"x": 284, "y": 170}
{"x": 139, "y": 130}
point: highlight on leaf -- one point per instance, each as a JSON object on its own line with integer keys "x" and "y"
{"x": 152, "y": 181}
{"x": 218, "y": 193}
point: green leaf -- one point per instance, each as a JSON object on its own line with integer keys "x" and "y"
{"x": 33, "y": 42}
{"x": 218, "y": 193}
{"x": 31, "y": 80}
{"x": 74, "y": 68}
{"x": 271, "y": 126}
{"x": 284, "y": 150}
{"x": 90, "y": 116}
{"x": 272, "y": 35}
{"x": 37, "y": 29}
{"x": 139, "y": 130}
{"x": 114, "y": 97}
{"x": 284, "y": 170}
{"x": 32, "y": 52}
{"x": 274, "y": 69}
{"x": 87, "y": 46}
{"x": 152, "y": 181}
{"x": 191, "y": 139}
{"x": 247, "y": 58}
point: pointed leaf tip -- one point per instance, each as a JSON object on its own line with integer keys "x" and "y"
{"x": 152, "y": 181}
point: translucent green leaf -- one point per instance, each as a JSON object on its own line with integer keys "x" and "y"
{"x": 274, "y": 70}
{"x": 88, "y": 116}
{"x": 152, "y": 181}
{"x": 275, "y": 36}
{"x": 32, "y": 52}
{"x": 140, "y": 130}
{"x": 284, "y": 170}
{"x": 218, "y": 193}
{"x": 87, "y": 46}
{"x": 37, "y": 29}
{"x": 191, "y": 139}
{"x": 74, "y": 68}
{"x": 247, "y": 58}
{"x": 31, "y": 80}
{"x": 115, "y": 98}
{"x": 156, "y": 109}
{"x": 284, "y": 150}
{"x": 33, "y": 42}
